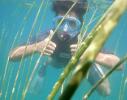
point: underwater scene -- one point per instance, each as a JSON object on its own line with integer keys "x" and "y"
{"x": 63, "y": 50}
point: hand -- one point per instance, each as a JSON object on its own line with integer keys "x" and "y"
{"x": 73, "y": 48}
{"x": 49, "y": 48}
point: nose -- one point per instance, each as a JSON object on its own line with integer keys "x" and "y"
{"x": 65, "y": 27}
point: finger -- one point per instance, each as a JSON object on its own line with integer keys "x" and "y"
{"x": 47, "y": 54}
{"x": 72, "y": 53}
{"x": 50, "y": 47}
{"x": 74, "y": 46}
{"x": 73, "y": 50}
{"x": 49, "y": 51}
{"x": 52, "y": 44}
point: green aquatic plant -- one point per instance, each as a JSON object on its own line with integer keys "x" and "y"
{"x": 20, "y": 65}
{"x": 7, "y": 68}
{"x": 38, "y": 60}
{"x": 103, "y": 78}
{"x": 83, "y": 45}
{"x": 91, "y": 46}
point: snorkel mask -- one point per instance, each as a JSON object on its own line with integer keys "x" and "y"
{"x": 69, "y": 28}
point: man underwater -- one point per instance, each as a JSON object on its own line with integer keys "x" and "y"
{"x": 64, "y": 43}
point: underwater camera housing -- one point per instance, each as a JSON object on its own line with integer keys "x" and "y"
{"x": 63, "y": 42}
{"x": 63, "y": 36}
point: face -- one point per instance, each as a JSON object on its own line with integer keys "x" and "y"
{"x": 72, "y": 14}
{"x": 69, "y": 27}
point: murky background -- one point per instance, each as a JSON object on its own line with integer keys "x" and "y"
{"x": 20, "y": 20}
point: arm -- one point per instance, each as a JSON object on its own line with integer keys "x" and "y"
{"x": 109, "y": 60}
{"x": 26, "y": 50}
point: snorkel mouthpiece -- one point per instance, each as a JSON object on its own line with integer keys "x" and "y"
{"x": 64, "y": 36}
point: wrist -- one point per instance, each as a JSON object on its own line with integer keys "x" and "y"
{"x": 34, "y": 47}
{"x": 38, "y": 46}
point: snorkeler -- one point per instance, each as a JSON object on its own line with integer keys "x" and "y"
{"x": 64, "y": 44}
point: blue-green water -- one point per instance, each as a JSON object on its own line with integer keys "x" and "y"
{"x": 17, "y": 17}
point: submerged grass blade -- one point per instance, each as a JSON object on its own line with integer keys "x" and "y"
{"x": 20, "y": 65}
{"x": 123, "y": 89}
{"x": 7, "y": 70}
{"x": 103, "y": 78}
{"x": 27, "y": 78}
{"x": 102, "y": 30}
{"x": 19, "y": 34}
{"x": 38, "y": 60}
{"x": 77, "y": 55}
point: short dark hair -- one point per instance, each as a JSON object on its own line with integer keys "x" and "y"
{"x": 64, "y": 5}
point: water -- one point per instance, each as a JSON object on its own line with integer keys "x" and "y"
{"x": 20, "y": 20}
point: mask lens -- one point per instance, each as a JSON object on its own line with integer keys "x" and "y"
{"x": 58, "y": 21}
{"x": 70, "y": 25}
